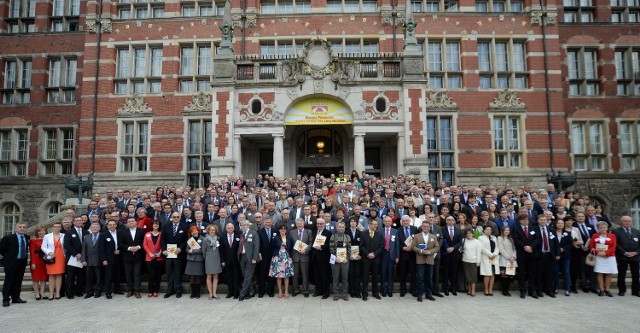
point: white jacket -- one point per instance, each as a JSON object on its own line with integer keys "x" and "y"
{"x": 48, "y": 245}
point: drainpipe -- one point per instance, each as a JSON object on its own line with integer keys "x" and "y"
{"x": 95, "y": 89}
{"x": 546, "y": 86}
{"x": 244, "y": 27}
{"x": 393, "y": 23}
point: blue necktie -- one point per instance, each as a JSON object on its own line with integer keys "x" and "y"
{"x": 406, "y": 232}
{"x": 20, "y": 246}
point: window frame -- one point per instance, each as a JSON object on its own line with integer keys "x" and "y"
{"x": 437, "y": 172}
{"x": 13, "y": 217}
{"x": 135, "y": 156}
{"x": 506, "y": 153}
{"x": 583, "y": 79}
{"x": 65, "y": 87}
{"x": 16, "y": 86}
{"x": 501, "y": 70}
{"x": 444, "y": 74}
{"x": 193, "y": 76}
{"x": 61, "y": 164}
{"x": 629, "y": 145}
{"x": 18, "y": 146}
{"x": 150, "y": 81}
{"x": 587, "y": 143}
{"x": 203, "y": 155}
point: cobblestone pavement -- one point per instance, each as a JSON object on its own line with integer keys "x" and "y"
{"x": 460, "y": 313}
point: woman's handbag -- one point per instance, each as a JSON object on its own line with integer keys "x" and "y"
{"x": 590, "y": 260}
{"x": 49, "y": 260}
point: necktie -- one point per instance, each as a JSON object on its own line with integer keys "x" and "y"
{"x": 628, "y": 231}
{"x": 95, "y": 237}
{"x": 386, "y": 239}
{"x": 545, "y": 241}
{"x": 21, "y": 247}
{"x": 299, "y": 235}
{"x": 175, "y": 229}
{"x": 451, "y": 233}
{"x": 584, "y": 231}
{"x": 371, "y": 234}
{"x": 269, "y": 235}
{"x": 406, "y": 232}
{"x": 210, "y": 217}
{"x": 526, "y": 231}
{"x": 230, "y": 238}
{"x": 241, "y": 245}
{"x": 79, "y": 234}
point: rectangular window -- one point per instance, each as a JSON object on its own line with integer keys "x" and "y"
{"x": 582, "y": 71}
{"x": 630, "y": 145}
{"x": 17, "y": 81}
{"x": 57, "y": 157}
{"x": 587, "y": 143}
{"x": 134, "y": 156}
{"x": 507, "y": 142}
{"x": 199, "y": 153}
{"x": 138, "y": 70}
{"x": 196, "y": 67}
{"x": 502, "y": 64}
{"x": 144, "y": 9}
{"x": 627, "y": 71}
{"x": 444, "y": 64}
{"x": 13, "y": 152}
{"x": 62, "y": 80}
{"x": 440, "y": 150}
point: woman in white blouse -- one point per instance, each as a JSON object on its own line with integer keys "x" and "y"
{"x": 53, "y": 248}
{"x": 489, "y": 261}
{"x": 415, "y": 221}
{"x": 471, "y": 254}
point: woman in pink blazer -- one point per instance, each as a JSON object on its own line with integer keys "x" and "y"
{"x": 154, "y": 258}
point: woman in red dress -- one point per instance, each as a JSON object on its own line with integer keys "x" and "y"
{"x": 39, "y": 275}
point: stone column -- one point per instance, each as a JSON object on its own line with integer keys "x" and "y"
{"x": 401, "y": 152}
{"x": 237, "y": 154}
{"x": 358, "y": 153}
{"x": 278, "y": 155}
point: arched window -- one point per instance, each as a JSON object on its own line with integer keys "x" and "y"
{"x": 635, "y": 212}
{"x": 10, "y": 217}
{"x": 53, "y": 210}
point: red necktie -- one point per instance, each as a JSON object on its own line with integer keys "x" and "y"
{"x": 241, "y": 245}
{"x": 386, "y": 239}
{"x": 526, "y": 232}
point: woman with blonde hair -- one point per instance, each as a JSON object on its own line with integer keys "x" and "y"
{"x": 38, "y": 269}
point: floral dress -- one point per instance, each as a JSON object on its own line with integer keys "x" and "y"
{"x": 281, "y": 265}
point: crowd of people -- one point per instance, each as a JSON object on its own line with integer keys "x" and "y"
{"x": 348, "y": 235}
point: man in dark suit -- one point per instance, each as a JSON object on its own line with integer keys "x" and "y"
{"x": 174, "y": 233}
{"x": 320, "y": 255}
{"x": 165, "y": 216}
{"x": 211, "y": 215}
{"x": 265, "y": 282}
{"x": 451, "y": 256}
{"x": 371, "y": 247}
{"x": 301, "y": 258}
{"x": 112, "y": 260}
{"x": 389, "y": 257}
{"x": 73, "y": 248}
{"x": 407, "y": 259}
{"x": 471, "y": 208}
{"x": 527, "y": 241}
{"x": 548, "y": 250}
{"x": 199, "y": 222}
{"x": 584, "y": 271}
{"x": 130, "y": 245}
{"x": 14, "y": 249}
{"x": 92, "y": 258}
{"x": 627, "y": 250}
{"x": 355, "y": 262}
{"x": 229, "y": 242}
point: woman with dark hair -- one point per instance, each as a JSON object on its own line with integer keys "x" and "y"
{"x": 471, "y": 255}
{"x": 281, "y": 263}
{"x": 53, "y": 248}
{"x": 507, "y": 250}
{"x": 153, "y": 258}
{"x": 563, "y": 261}
{"x": 489, "y": 260}
{"x": 195, "y": 261}
{"x": 600, "y": 213}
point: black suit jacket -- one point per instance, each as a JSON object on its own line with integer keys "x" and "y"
{"x": 455, "y": 242}
{"x": 265, "y": 242}
{"x": 520, "y": 240}
{"x": 125, "y": 241}
{"x": 180, "y": 239}
{"x": 404, "y": 255}
{"x": 9, "y": 249}
{"x": 565, "y": 243}
{"x": 355, "y": 239}
{"x": 108, "y": 247}
{"x": 323, "y": 254}
{"x": 229, "y": 254}
{"x": 553, "y": 243}
{"x": 72, "y": 244}
{"x": 373, "y": 245}
{"x": 626, "y": 243}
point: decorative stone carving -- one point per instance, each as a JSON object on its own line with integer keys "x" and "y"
{"x": 317, "y": 58}
{"x": 251, "y": 19}
{"x": 507, "y": 101}
{"x": 267, "y": 113}
{"x": 386, "y": 17}
{"x": 291, "y": 74}
{"x": 536, "y": 18}
{"x": 440, "y": 100}
{"x": 134, "y": 106}
{"x": 292, "y": 93}
{"x": 105, "y": 25}
{"x": 318, "y": 86}
{"x": 391, "y": 112}
{"x": 551, "y": 18}
{"x": 320, "y": 161}
{"x": 344, "y": 92}
{"x": 200, "y": 102}
{"x": 358, "y": 115}
{"x": 344, "y": 72}
{"x": 227, "y": 27}
{"x": 412, "y": 171}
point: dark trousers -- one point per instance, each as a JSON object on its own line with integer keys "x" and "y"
{"x": 323, "y": 277}
{"x": 544, "y": 273}
{"x": 622, "y": 274}
{"x": 355, "y": 272}
{"x": 565, "y": 266}
{"x": 407, "y": 271}
{"x": 133, "y": 275}
{"x": 424, "y": 283}
{"x": 450, "y": 267}
{"x": 75, "y": 281}
{"x": 436, "y": 275}
{"x": 112, "y": 276}
{"x": 388, "y": 269}
{"x": 174, "y": 275}
{"x": 94, "y": 279}
{"x": 265, "y": 282}
{"x": 584, "y": 272}
{"x": 13, "y": 276}
{"x": 527, "y": 265}
{"x": 154, "y": 267}
{"x": 373, "y": 267}
{"x": 232, "y": 277}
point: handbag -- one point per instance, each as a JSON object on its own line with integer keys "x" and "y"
{"x": 49, "y": 260}
{"x": 590, "y": 259}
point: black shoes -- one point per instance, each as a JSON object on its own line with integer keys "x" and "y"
{"x": 19, "y": 301}
{"x": 229, "y": 296}
{"x": 364, "y": 298}
{"x": 377, "y": 297}
{"x": 167, "y": 295}
{"x": 606, "y": 292}
{"x": 419, "y": 299}
{"x": 178, "y": 295}
{"x": 438, "y": 295}
{"x": 523, "y": 294}
{"x": 454, "y": 293}
{"x": 88, "y": 295}
{"x": 430, "y": 298}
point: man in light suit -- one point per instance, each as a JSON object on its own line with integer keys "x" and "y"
{"x": 73, "y": 248}
{"x": 435, "y": 230}
{"x": 426, "y": 247}
{"x": 92, "y": 259}
{"x": 301, "y": 258}
{"x": 130, "y": 245}
{"x": 371, "y": 247}
{"x": 451, "y": 256}
{"x": 627, "y": 250}
{"x": 14, "y": 249}
{"x": 389, "y": 257}
{"x": 249, "y": 255}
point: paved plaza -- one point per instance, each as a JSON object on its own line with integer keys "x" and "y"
{"x": 583, "y": 313}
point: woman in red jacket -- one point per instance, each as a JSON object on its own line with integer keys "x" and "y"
{"x": 603, "y": 245}
{"x": 154, "y": 258}
{"x": 144, "y": 222}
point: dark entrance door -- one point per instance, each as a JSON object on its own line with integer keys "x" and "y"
{"x": 326, "y": 172}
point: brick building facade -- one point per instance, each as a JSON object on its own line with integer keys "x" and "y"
{"x": 500, "y": 92}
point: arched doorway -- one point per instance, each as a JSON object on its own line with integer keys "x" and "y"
{"x": 320, "y": 151}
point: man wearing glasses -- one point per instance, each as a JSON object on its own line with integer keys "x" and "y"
{"x": 174, "y": 242}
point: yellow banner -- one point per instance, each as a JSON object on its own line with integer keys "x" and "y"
{"x": 318, "y": 111}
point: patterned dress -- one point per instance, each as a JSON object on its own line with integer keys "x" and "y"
{"x": 281, "y": 265}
